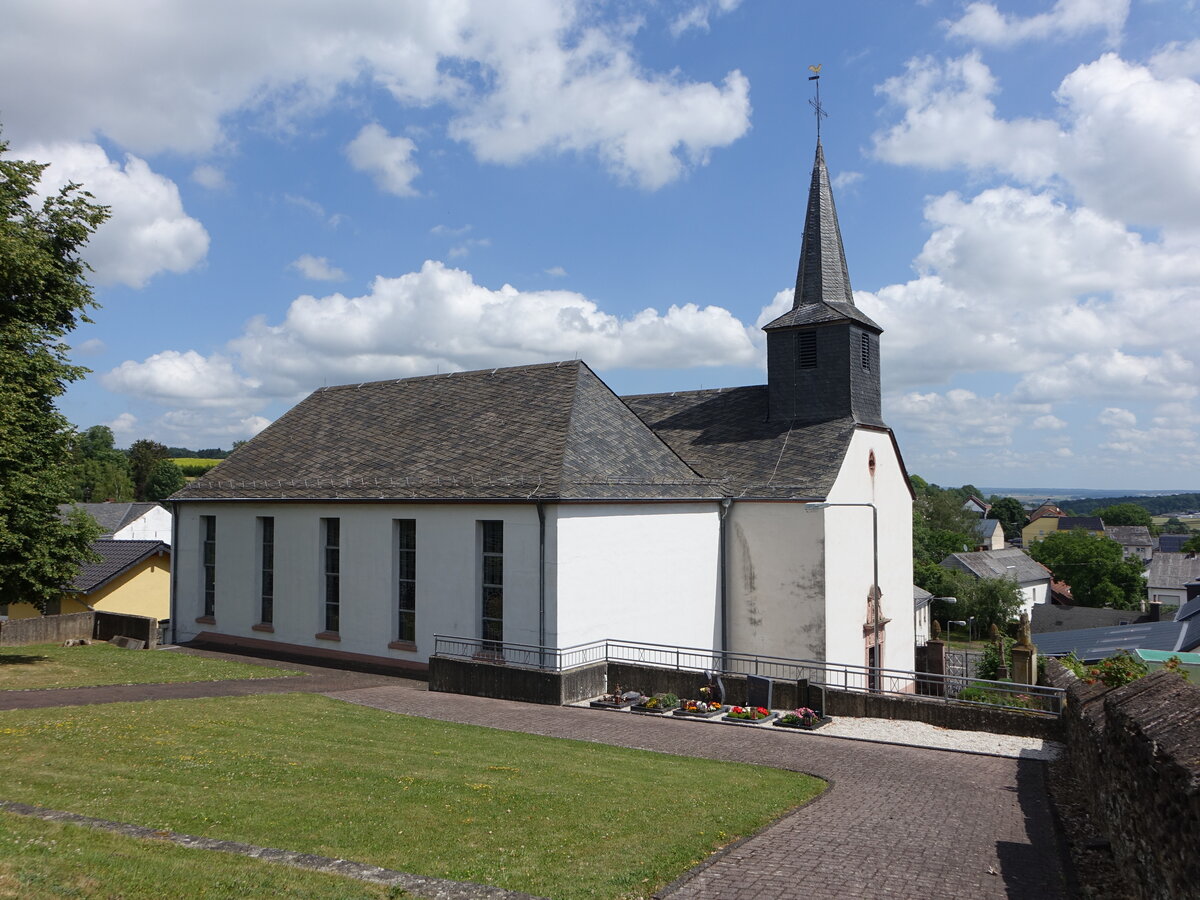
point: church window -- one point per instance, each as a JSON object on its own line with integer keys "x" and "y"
{"x": 208, "y": 538}
{"x": 406, "y": 580}
{"x": 331, "y": 545}
{"x": 266, "y": 569}
{"x": 492, "y": 583}
{"x": 806, "y": 350}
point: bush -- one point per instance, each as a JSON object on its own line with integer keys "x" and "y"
{"x": 1114, "y": 671}
{"x": 989, "y": 664}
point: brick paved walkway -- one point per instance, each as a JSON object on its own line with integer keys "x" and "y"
{"x": 895, "y": 821}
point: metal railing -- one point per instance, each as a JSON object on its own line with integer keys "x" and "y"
{"x": 959, "y": 689}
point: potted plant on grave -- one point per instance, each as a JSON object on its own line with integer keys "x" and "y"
{"x": 618, "y": 699}
{"x": 698, "y": 709}
{"x": 658, "y": 704}
{"x": 804, "y": 719}
{"x": 746, "y": 714}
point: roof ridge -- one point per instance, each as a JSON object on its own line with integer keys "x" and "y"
{"x": 352, "y": 386}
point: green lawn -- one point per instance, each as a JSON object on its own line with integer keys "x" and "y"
{"x": 55, "y": 666}
{"x": 556, "y": 818}
{"x": 48, "y": 859}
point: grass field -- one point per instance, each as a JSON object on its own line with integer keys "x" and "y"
{"x": 48, "y": 859}
{"x": 55, "y": 666}
{"x": 198, "y": 463}
{"x": 1190, "y": 521}
{"x": 556, "y": 818}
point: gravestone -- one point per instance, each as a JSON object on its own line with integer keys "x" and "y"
{"x": 758, "y": 691}
{"x": 811, "y": 695}
{"x": 127, "y": 643}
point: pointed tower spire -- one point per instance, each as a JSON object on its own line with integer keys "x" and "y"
{"x": 822, "y": 275}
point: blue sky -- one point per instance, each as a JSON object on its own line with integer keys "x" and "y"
{"x": 306, "y": 194}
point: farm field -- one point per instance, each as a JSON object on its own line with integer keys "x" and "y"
{"x": 54, "y": 666}
{"x": 552, "y": 817}
{"x": 1192, "y": 522}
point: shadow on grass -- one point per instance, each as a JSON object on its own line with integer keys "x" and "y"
{"x": 20, "y": 659}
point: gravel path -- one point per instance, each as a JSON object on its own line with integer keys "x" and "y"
{"x": 918, "y": 734}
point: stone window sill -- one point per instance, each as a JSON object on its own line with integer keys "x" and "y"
{"x": 327, "y": 636}
{"x": 206, "y": 620}
{"x": 263, "y": 626}
{"x": 403, "y": 645}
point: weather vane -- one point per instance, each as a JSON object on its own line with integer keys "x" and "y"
{"x": 815, "y": 103}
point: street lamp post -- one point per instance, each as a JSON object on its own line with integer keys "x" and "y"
{"x": 813, "y": 507}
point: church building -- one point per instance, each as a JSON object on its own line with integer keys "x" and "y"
{"x": 533, "y": 506}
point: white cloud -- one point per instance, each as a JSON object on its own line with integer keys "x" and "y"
{"x": 1111, "y": 375}
{"x": 1127, "y": 146}
{"x": 388, "y": 160}
{"x": 148, "y": 231}
{"x": 1117, "y": 417}
{"x": 317, "y": 268}
{"x": 437, "y": 317}
{"x": 1048, "y": 423}
{"x": 447, "y": 229}
{"x": 210, "y": 177}
{"x": 461, "y": 250}
{"x": 846, "y": 179}
{"x": 696, "y": 17}
{"x": 985, "y": 24}
{"x": 517, "y": 78}
{"x": 1177, "y": 60}
{"x": 556, "y": 272}
{"x": 90, "y": 347}
{"x": 124, "y": 427}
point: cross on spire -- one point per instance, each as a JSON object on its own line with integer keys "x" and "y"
{"x": 815, "y": 103}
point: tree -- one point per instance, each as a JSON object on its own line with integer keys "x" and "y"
{"x": 43, "y": 296}
{"x": 1174, "y": 525}
{"x": 1192, "y": 546}
{"x": 144, "y": 457}
{"x": 1010, "y": 513}
{"x": 1095, "y": 568}
{"x": 1125, "y": 514}
{"x": 103, "y": 471}
{"x": 165, "y": 480}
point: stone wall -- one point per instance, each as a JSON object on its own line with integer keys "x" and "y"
{"x": 47, "y": 629}
{"x": 1135, "y": 748}
{"x": 481, "y": 678}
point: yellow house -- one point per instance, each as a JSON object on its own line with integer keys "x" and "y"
{"x": 132, "y": 577}
{"x": 1042, "y": 521}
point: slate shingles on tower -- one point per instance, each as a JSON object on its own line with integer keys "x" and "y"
{"x": 823, "y": 354}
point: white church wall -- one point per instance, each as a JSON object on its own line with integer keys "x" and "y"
{"x": 635, "y": 571}
{"x": 448, "y": 574}
{"x": 776, "y": 580}
{"x": 849, "y": 553}
{"x": 154, "y": 525}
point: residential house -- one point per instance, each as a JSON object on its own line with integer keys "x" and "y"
{"x": 974, "y": 505}
{"x": 132, "y": 576}
{"x": 1178, "y": 634}
{"x": 1042, "y": 521}
{"x": 1048, "y": 617}
{"x": 1168, "y": 576}
{"x": 989, "y": 535}
{"x": 531, "y": 505}
{"x": 1032, "y": 576}
{"x": 1135, "y": 540}
{"x": 127, "y": 521}
{"x": 921, "y": 602}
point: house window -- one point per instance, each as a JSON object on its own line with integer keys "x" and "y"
{"x": 331, "y": 545}
{"x": 406, "y": 580}
{"x": 866, "y": 352}
{"x": 208, "y": 537}
{"x": 53, "y": 607}
{"x": 492, "y": 568}
{"x": 806, "y": 350}
{"x": 266, "y": 569}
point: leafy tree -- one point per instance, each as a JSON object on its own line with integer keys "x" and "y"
{"x": 1011, "y": 514}
{"x": 144, "y": 457}
{"x": 1125, "y": 514}
{"x": 103, "y": 471}
{"x": 165, "y": 480}
{"x": 1192, "y": 546}
{"x": 1174, "y": 525}
{"x": 1095, "y": 568}
{"x": 994, "y": 601}
{"x": 43, "y": 296}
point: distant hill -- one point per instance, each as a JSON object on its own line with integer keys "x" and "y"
{"x": 1077, "y": 497}
{"x": 1157, "y": 505}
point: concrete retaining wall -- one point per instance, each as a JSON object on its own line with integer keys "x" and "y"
{"x": 47, "y": 629}
{"x": 480, "y": 678}
{"x": 1135, "y": 748}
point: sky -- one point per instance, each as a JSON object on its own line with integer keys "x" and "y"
{"x": 309, "y": 193}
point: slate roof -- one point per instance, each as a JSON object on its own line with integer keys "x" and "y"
{"x": 1046, "y": 509}
{"x": 986, "y": 528}
{"x": 823, "y": 292}
{"x": 1188, "y": 610}
{"x": 995, "y": 564}
{"x": 724, "y": 434}
{"x": 1050, "y": 617}
{"x": 1097, "y": 643}
{"x": 1172, "y": 570}
{"x": 921, "y": 597}
{"x": 1129, "y": 535}
{"x": 116, "y": 558}
{"x": 111, "y": 517}
{"x": 552, "y": 431}
{"x": 1173, "y": 543}
{"x": 1070, "y": 523}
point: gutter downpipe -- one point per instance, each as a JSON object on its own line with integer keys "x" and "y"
{"x": 541, "y": 512}
{"x": 726, "y": 503}
{"x": 174, "y": 576}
